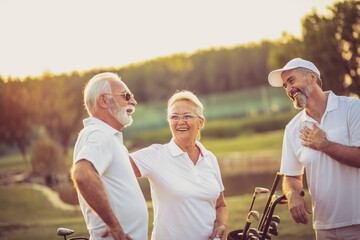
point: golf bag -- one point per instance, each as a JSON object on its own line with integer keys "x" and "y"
{"x": 268, "y": 223}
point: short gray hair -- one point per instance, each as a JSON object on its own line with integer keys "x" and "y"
{"x": 186, "y": 95}
{"x": 305, "y": 71}
{"x": 97, "y": 85}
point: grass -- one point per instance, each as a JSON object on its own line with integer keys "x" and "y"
{"x": 271, "y": 141}
{"x": 28, "y": 215}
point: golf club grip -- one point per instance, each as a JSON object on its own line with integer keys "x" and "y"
{"x": 271, "y": 212}
{"x": 246, "y": 228}
{"x": 273, "y": 188}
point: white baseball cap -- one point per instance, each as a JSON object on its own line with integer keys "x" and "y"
{"x": 274, "y": 77}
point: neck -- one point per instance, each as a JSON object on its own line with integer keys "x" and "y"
{"x": 316, "y": 105}
{"x": 190, "y": 148}
{"x": 186, "y": 146}
{"x": 108, "y": 119}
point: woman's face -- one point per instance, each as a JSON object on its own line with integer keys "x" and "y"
{"x": 184, "y": 128}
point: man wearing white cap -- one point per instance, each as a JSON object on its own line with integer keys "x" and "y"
{"x": 324, "y": 139}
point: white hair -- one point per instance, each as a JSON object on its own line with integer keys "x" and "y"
{"x": 187, "y": 96}
{"x": 97, "y": 85}
{"x": 305, "y": 71}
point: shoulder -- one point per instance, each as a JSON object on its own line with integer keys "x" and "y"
{"x": 204, "y": 151}
{"x": 295, "y": 121}
{"x": 151, "y": 150}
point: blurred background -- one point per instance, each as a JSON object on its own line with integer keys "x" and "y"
{"x": 222, "y": 51}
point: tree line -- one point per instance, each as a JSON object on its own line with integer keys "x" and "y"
{"x": 52, "y": 104}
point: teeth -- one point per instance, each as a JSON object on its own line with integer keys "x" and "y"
{"x": 294, "y": 96}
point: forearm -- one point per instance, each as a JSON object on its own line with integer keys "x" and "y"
{"x": 292, "y": 188}
{"x": 95, "y": 196}
{"x": 347, "y": 155}
{"x": 91, "y": 188}
{"x": 221, "y": 212}
{"x": 292, "y": 185}
{"x": 221, "y": 221}
{"x": 221, "y": 216}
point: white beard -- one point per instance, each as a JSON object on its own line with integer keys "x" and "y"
{"x": 301, "y": 103}
{"x": 120, "y": 114}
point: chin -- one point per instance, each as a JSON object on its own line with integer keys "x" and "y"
{"x": 126, "y": 122}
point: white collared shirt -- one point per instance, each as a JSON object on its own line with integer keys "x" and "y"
{"x": 184, "y": 195}
{"x": 103, "y": 146}
{"x": 334, "y": 187}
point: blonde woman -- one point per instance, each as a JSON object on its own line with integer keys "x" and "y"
{"x": 186, "y": 185}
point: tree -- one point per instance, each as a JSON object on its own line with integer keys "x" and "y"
{"x": 60, "y": 106}
{"x": 16, "y": 117}
{"x": 333, "y": 43}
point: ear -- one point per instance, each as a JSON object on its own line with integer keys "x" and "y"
{"x": 313, "y": 77}
{"x": 202, "y": 122}
{"x": 102, "y": 101}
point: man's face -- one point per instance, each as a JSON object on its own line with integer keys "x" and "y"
{"x": 297, "y": 87}
{"x": 119, "y": 107}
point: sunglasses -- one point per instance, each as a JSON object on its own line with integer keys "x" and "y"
{"x": 127, "y": 96}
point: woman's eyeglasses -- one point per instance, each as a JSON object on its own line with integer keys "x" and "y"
{"x": 186, "y": 117}
{"x": 127, "y": 96}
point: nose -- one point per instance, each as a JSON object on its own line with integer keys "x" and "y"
{"x": 132, "y": 101}
{"x": 181, "y": 118}
{"x": 288, "y": 89}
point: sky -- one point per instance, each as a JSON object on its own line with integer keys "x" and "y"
{"x": 61, "y": 36}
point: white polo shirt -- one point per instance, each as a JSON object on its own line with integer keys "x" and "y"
{"x": 334, "y": 187}
{"x": 103, "y": 146}
{"x": 183, "y": 194}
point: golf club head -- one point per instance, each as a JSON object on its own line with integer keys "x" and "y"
{"x": 275, "y": 197}
{"x": 254, "y": 232}
{"x": 253, "y": 237}
{"x": 273, "y": 224}
{"x": 261, "y": 190}
{"x": 273, "y": 231}
{"x": 275, "y": 218}
{"x": 254, "y": 214}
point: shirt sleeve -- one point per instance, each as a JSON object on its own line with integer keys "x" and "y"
{"x": 354, "y": 123}
{"x": 146, "y": 160}
{"x": 290, "y": 165}
{"x": 97, "y": 150}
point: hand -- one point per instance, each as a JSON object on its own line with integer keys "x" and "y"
{"x": 116, "y": 233}
{"x": 218, "y": 233}
{"x": 298, "y": 208}
{"x": 314, "y": 139}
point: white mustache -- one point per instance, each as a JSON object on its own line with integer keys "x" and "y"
{"x": 130, "y": 107}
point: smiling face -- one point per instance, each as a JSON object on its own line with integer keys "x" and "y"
{"x": 297, "y": 86}
{"x": 185, "y": 131}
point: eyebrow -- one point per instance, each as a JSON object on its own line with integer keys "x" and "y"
{"x": 287, "y": 80}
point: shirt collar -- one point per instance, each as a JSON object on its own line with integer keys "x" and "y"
{"x": 176, "y": 150}
{"x": 332, "y": 104}
{"x": 97, "y": 122}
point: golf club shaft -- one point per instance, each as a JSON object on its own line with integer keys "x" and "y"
{"x": 273, "y": 188}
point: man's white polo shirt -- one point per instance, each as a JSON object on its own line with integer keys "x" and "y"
{"x": 334, "y": 187}
{"x": 103, "y": 146}
{"x": 184, "y": 195}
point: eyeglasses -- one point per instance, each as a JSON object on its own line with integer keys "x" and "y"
{"x": 186, "y": 117}
{"x": 127, "y": 96}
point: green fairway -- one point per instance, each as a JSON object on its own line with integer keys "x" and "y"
{"x": 27, "y": 214}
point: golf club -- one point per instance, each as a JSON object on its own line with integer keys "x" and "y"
{"x": 257, "y": 190}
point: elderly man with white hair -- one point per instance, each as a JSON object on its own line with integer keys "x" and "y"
{"x": 109, "y": 194}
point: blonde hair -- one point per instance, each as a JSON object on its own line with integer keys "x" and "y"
{"x": 187, "y": 96}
